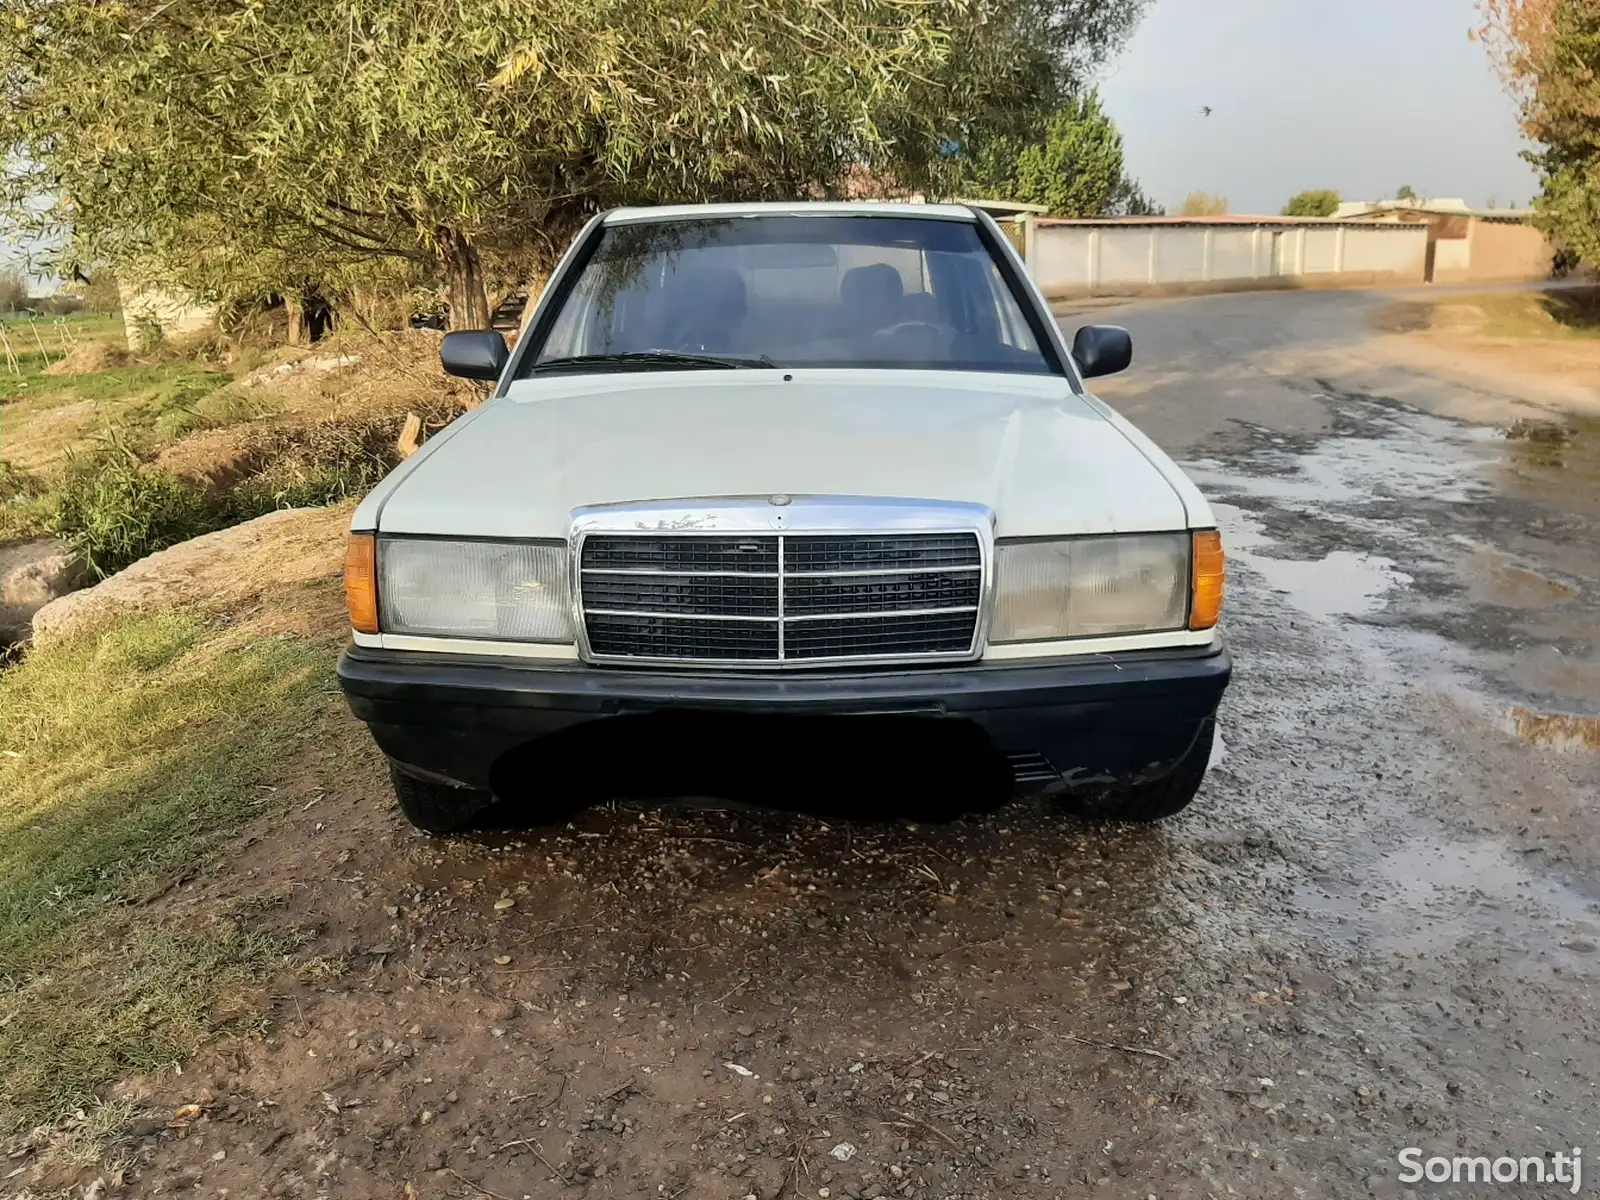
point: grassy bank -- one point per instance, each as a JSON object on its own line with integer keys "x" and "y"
{"x": 125, "y": 756}
{"x": 124, "y": 456}
{"x": 1569, "y": 315}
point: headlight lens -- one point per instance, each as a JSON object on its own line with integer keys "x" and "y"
{"x": 500, "y": 591}
{"x": 1090, "y": 587}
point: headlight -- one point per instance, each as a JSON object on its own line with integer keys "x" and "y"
{"x": 1089, "y": 587}
{"x": 500, "y": 591}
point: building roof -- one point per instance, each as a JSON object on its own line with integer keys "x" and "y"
{"x": 1446, "y": 207}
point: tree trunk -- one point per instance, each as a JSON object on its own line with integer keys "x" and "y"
{"x": 463, "y": 281}
{"x": 298, "y": 334}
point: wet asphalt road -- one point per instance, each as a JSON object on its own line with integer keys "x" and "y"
{"x": 1411, "y": 781}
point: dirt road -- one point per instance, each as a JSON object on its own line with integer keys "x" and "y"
{"x": 1376, "y": 929}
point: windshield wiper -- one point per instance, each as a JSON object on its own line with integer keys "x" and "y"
{"x": 647, "y": 358}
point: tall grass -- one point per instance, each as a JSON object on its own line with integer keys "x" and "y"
{"x": 116, "y": 510}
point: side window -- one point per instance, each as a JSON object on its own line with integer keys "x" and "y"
{"x": 609, "y": 309}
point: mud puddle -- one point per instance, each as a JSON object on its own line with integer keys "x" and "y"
{"x": 1432, "y": 893}
{"x": 1341, "y": 583}
{"x": 1405, "y": 456}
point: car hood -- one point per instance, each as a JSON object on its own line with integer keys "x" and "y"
{"x": 1046, "y": 460}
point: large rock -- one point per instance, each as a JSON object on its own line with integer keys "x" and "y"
{"x": 225, "y": 570}
{"x": 37, "y": 572}
{"x": 32, "y": 574}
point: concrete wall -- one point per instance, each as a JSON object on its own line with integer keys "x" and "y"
{"x": 1075, "y": 258}
{"x": 174, "y": 316}
{"x": 1477, "y": 247}
{"x": 1494, "y": 252}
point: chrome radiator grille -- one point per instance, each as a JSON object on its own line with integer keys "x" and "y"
{"x": 780, "y": 598}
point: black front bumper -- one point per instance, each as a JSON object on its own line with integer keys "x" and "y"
{"x": 1061, "y": 723}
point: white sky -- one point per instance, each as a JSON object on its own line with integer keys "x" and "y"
{"x": 1362, "y": 96}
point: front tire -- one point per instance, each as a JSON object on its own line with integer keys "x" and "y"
{"x": 1143, "y": 803}
{"x": 436, "y": 808}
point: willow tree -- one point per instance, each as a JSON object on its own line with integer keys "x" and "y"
{"x": 310, "y": 136}
{"x": 1548, "y": 52}
{"x": 1071, "y": 161}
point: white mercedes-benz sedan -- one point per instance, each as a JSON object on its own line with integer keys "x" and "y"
{"x": 779, "y": 460}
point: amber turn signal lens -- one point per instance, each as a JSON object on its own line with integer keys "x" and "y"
{"x": 1206, "y": 579}
{"x": 361, "y": 582}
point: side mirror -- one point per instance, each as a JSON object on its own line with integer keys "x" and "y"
{"x": 474, "y": 354}
{"x": 1101, "y": 350}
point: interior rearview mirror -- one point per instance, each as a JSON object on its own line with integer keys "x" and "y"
{"x": 474, "y": 353}
{"x": 1102, "y": 350}
{"x": 787, "y": 255}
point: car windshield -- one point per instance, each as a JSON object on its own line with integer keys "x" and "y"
{"x": 826, "y": 291}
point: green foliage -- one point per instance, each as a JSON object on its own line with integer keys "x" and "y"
{"x": 1130, "y": 200}
{"x": 116, "y": 510}
{"x": 1318, "y": 202}
{"x": 1072, "y": 163}
{"x": 101, "y": 295}
{"x": 128, "y": 752}
{"x": 1203, "y": 204}
{"x": 323, "y": 140}
{"x": 1550, "y": 56}
{"x": 1406, "y": 192}
{"x": 232, "y": 406}
{"x": 213, "y": 408}
{"x": 1569, "y": 208}
{"x": 156, "y": 387}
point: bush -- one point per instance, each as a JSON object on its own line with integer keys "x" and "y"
{"x": 13, "y": 290}
{"x": 1320, "y": 202}
{"x": 101, "y": 294}
{"x": 115, "y": 510}
{"x": 1203, "y": 204}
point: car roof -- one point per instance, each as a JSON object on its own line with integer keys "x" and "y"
{"x": 795, "y": 208}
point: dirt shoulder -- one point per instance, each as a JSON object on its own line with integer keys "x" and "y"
{"x": 666, "y": 1001}
{"x": 1541, "y": 346}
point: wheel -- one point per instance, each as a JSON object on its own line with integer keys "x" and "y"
{"x": 436, "y": 807}
{"x": 1145, "y": 802}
